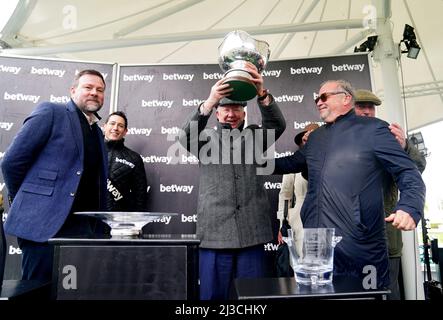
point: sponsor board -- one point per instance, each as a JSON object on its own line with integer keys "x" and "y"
{"x": 139, "y": 131}
{"x": 185, "y": 218}
{"x": 176, "y": 188}
{"x": 157, "y": 103}
{"x": 271, "y": 73}
{"x": 289, "y": 98}
{"x": 306, "y": 70}
{"x": 272, "y": 185}
{"x": 6, "y": 125}
{"x": 20, "y": 97}
{"x": 48, "y": 72}
{"x": 302, "y": 125}
{"x": 270, "y": 246}
{"x": 13, "y": 250}
{"x": 9, "y": 69}
{"x": 62, "y": 99}
{"x": 138, "y": 77}
{"x": 347, "y": 67}
{"x": 178, "y": 76}
{"x": 157, "y": 159}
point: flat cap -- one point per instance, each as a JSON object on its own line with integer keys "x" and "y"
{"x": 310, "y": 127}
{"x": 362, "y": 95}
{"x": 226, "y": 101}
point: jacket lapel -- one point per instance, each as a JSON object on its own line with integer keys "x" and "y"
{"x": 75, "y": 127}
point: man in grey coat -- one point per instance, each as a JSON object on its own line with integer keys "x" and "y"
{"x": 234, "y": 218}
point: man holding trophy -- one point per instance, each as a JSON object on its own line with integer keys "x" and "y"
{"x": 233, "y": 215}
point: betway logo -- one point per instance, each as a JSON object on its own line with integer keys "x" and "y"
{"x": 14, "y": 70}
{"x": 302, "y": 125}
{"x": 114, "y": 191}
{"x": 14, "y": 250}
{"x": 6, "y": 125}
{"x": 191, "y": 159}
{"x": 140, "y": 131}
{"x": 103, "y": 74}
{"x": 304, "y": 70}
{"x": 272, "y": 185}
{"x": 192, "y": 218}
{"x": 157, "y": 103}
{"x": 348, "y": 67}
{"x": 21, "y": 97}
{"x": 283, "y": 154}
{"x": 271, "y": 73}
{"x": 124, "y": 161}
{"x": 173, "y": 130}
{"x": 138, "y": 77}
{"x": 287, "y": 98}
{"x": 48, "y": 72}
{"x": 157, "y": 159}
{"x": 178, "y": 76}
{"x": 176, "y": 188}
{"x": 212, "y": 76}
{"x": 191, "y": 103}
{"x": 2, "y": 185}
{"x": 270, "y": 247}
{"x": 164, "y": 219}
{"x": 62, "y": 99}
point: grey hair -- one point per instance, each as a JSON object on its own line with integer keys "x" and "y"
{"x": 343, "y": 85}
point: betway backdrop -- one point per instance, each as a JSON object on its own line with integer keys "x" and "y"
{"x": 157, "y": 100}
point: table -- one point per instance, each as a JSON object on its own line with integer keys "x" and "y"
{"x": 287, "y": 288}
{"x": 160, "y": 267}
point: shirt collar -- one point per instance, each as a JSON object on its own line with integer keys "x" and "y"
{"x": 93, "y": 118}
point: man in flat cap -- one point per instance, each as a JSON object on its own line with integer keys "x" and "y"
{"x": 365, "y": 102}
{"x": 234, "y": 220}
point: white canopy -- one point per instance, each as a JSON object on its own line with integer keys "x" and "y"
{"x": 190, "y": 31}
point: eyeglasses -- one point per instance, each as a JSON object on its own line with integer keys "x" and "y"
{"x": 325, "y": 95}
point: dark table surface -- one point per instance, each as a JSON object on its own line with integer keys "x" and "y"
{"x": 176, "y": 239}
{"x": 284, "y": 288}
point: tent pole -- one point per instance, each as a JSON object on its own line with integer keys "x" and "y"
{"x": 386, "y": 53}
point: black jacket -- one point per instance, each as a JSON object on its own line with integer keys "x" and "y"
{"x": 347, "y": 161}
{"x": 127, "y": 179}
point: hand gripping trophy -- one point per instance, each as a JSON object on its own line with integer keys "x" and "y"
{"x": 237, "y": 48}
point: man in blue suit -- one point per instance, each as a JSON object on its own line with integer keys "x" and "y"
{"x": 56, "y": 165}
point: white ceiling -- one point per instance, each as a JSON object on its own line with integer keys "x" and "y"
{"x": 190, "y": 31}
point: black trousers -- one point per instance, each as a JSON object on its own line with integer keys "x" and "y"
{"x": 37, "y": 257}
{"x": 394, "y": 269}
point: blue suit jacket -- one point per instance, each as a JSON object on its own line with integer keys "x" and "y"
{"x": 42, "y": 170}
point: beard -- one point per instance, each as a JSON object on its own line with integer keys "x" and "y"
{"x": 90, "y": 106}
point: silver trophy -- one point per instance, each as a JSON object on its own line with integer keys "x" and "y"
{"x": 237, "y": 48}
